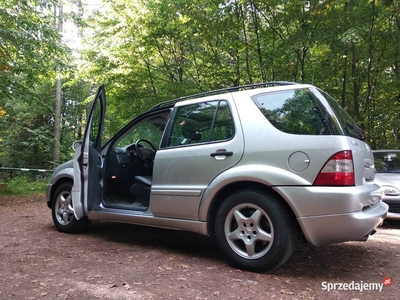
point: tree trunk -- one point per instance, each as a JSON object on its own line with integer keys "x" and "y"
{"x": 257, "y": 34}
{"x": 57, "y": 113}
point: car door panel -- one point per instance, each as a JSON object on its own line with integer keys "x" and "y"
{"x": 183, "y": 172}
{"x": 88, "y": 162}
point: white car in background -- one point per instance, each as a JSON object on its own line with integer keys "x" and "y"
{"x": 387, "y": 163}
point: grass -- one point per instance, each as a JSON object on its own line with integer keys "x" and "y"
{"x": 25, "y": 185}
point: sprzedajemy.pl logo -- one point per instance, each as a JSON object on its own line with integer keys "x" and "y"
{"x": 356, "y": 286}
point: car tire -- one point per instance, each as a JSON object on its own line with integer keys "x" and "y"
{"x": 62, "y": 211}
{"x": 255, "y": 231}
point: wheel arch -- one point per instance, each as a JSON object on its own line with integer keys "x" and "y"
{"x": 54, "y": 187}
{"x": 234, "y": 187}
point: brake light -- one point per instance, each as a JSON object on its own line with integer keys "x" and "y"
{"x": 338, "y": 170}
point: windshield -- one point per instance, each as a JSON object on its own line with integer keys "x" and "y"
{"x": 387, "y": 162}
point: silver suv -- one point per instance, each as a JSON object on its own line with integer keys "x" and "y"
{"x": 259, "y": 166}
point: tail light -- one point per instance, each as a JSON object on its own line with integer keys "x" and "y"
{"x": 338, "y": 170}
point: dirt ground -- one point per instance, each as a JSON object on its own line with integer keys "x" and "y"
{"x": 121, "y": 261}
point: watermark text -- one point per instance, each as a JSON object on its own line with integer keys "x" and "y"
{"x": 359, "y": 286}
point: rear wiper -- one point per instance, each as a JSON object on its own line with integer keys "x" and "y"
{"x": 358, "y": 129}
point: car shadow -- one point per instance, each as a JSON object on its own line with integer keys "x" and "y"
{"x": 150, "y": 238}
{"x": 343, "y": 260}
{"x": 391, "y": 223}
{"x": 347, "y": 261}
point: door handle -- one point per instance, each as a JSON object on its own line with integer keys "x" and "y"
{"x": 221, "y": 152}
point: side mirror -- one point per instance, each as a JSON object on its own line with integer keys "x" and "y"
{"x": 76, "y": 144}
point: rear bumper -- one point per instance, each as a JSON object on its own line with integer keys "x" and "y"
{"x": 337, "y": 228}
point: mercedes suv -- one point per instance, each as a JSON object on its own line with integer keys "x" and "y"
{"x": 258, "y": 166}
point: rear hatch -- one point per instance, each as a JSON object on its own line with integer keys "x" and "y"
{"x": 321, "y": 132}
{"x": 363, "y": 158}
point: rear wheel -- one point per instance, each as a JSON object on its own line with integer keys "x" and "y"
{"x": 255, "y": 231}
{"x": 62, "y": 211}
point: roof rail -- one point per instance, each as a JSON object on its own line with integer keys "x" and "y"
{"x": 224, "y": 90}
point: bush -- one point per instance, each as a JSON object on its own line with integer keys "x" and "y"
{"x": 25, "y": 185}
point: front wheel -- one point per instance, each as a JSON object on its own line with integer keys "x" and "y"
{"x": 255, "y": 231}
{"x": 62, "y": 211}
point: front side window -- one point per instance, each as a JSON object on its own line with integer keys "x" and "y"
{"x": 292, "y": 111}
{"x": 150, "y": 129}
{"x": 201, "y": 123}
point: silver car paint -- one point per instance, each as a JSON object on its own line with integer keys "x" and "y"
{"x": 185, "y": 188}
{"x": 182, "y": 174}
{"x": 327, "y": 229}
{"x": 63, "y": 172}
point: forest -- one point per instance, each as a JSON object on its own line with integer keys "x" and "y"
{"x": 55, "y": 53}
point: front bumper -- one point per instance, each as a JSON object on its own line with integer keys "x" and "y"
{"x": 393, "y": 216}
{"x": 337, "y": 228}
{"x": 48, "y": 194}
{"x": 394, "y": 206}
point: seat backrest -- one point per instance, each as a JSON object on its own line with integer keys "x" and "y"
{"x": 190, "y": 132}
{"x": 145, "y": 180}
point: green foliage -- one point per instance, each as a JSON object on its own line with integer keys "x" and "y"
{"x": 29, "y": 45}
{"x": 157, "y": 49}
{"x": 146, "y": 51}
{"x": 26, "y": 185}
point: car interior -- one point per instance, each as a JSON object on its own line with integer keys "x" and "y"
{"x": 129, "y": 164}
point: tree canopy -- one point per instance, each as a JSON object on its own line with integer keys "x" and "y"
{"x": 146, "y": 51}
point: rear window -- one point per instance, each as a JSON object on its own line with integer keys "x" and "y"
{"x": 293, "y": 111}
{"x": 348, "y": 125}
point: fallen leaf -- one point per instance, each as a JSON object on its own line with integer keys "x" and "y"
{"x": 181, "y": 278}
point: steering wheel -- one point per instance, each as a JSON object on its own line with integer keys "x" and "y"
{"x": 145, "y": 154}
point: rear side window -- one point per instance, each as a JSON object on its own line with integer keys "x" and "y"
{"x": 292, "y": 111}
{"x": 201, "y": 123}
